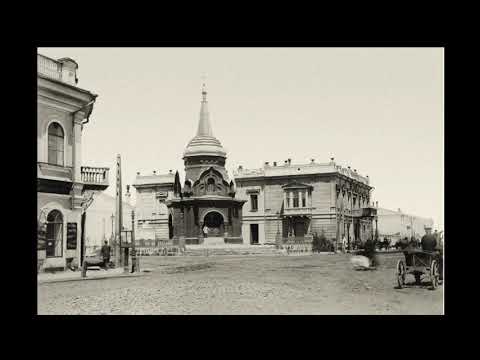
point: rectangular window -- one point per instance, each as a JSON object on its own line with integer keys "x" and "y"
{"x": 235, "y": 212}
{"x": 254, "y": 202}
{"x": 304, "y": 200}
{"x": 295, "y": 199}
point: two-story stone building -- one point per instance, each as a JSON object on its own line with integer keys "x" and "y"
{"x": 64, "y": 187}
{"x": 153, "y": 223}
{"x": 292, "y": 201}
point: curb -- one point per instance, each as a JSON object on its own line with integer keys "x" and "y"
{"x": 46, "y": 281}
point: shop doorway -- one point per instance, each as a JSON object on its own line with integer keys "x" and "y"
{"x": 253, "y": 233}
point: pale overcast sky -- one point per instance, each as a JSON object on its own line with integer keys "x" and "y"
{"x": 378, "y": 110}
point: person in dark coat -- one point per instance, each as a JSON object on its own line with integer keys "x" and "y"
{"x": 369, "y": 252}
{"x": 105, "y": 252}
{"x": 429, "y": 241}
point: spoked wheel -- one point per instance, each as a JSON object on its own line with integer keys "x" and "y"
{"x": 434, "y": 274}
{"x": 401, "y": 273}
{"x": 418, "y": 278}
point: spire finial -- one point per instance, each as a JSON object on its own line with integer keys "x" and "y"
{"x": 204, "y": 87}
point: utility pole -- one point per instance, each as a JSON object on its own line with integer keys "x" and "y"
{"x": 135, "y": 261}
{"x": 118, "y": 215}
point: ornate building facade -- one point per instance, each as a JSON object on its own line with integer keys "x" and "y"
{"x": 292, "y": 202}
{"x": 204, "y": 209}
{"x": 65, "y": 188}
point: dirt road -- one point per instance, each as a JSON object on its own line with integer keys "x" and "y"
{"x": 315, "y": 284}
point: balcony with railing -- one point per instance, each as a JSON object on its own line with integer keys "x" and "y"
{"x": 95, "y": 178}
{"x": 365, "y": 212}
{"x": 64, "y": 70}
{"x": 297, "y": 211}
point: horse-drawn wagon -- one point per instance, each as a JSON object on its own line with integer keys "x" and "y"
{"x": 420, "y": 264}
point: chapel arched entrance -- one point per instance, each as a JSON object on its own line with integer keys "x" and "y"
{"x": 214, "y": 222}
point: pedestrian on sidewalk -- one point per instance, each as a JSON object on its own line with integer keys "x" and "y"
{"x": 205, "y": 231}
{"x": 105, "y": 251}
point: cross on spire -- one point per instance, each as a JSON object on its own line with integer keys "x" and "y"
{"x": 204, "y": 88}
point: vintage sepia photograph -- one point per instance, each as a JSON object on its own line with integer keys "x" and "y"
{"x": 240, "y": 180}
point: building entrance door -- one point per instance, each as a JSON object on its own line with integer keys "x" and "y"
{"x": 214, "y": 222}
{"x": 299, "y": 227}
{"x": 253, "y": 233}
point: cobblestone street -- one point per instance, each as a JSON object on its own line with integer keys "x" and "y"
{"x": 316, "y": 284}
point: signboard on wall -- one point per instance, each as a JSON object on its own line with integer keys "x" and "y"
{"x": 71, "y": 236}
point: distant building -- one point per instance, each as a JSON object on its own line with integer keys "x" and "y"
{"x": 397, "y": 224}
{"x": 152, "y": 216}
{"x": 64, "y": 186}
{"x": 295, "y": 201}
{"x": 99, "y": 221}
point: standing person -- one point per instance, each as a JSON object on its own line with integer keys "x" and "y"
{"x": 429, "y": 242}
{"x": 440, "y": 253}
{"x": 105, "y": 251}
{"x": 344, "y": 244}
{"x": 205, "y": 231}
{"x": 369, "y": 252}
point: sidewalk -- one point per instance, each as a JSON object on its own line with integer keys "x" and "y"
{"x": 69, "y": 275}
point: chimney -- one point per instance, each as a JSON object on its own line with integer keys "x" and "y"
{"x": 312, "y": 160}
{"x": 274, "y": 163}
{"x": 138, "y": 173}
{"x": 289, "y": 161}
{"x": 154, "y": 172}
{"x": 266, "y": 163}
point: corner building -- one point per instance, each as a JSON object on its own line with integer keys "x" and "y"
{"x": 292, "y": 202}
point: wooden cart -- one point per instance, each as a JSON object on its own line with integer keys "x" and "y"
{"x": 420, "y": 264}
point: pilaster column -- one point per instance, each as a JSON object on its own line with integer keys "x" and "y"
{"x": 77, "y": 147}
{"x": 291, "y": 198}
{"x": 285, "y": 204}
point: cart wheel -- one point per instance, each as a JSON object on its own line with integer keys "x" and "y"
{"x": 401, "y": 273}
{"x": 434, "y": 274}
{"x": 418, "y": 278}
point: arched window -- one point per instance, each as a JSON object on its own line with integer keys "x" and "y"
{"x": 211, "y": 185}
{"x": 54, "y": 246}
{"x": 55, "y": 144}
